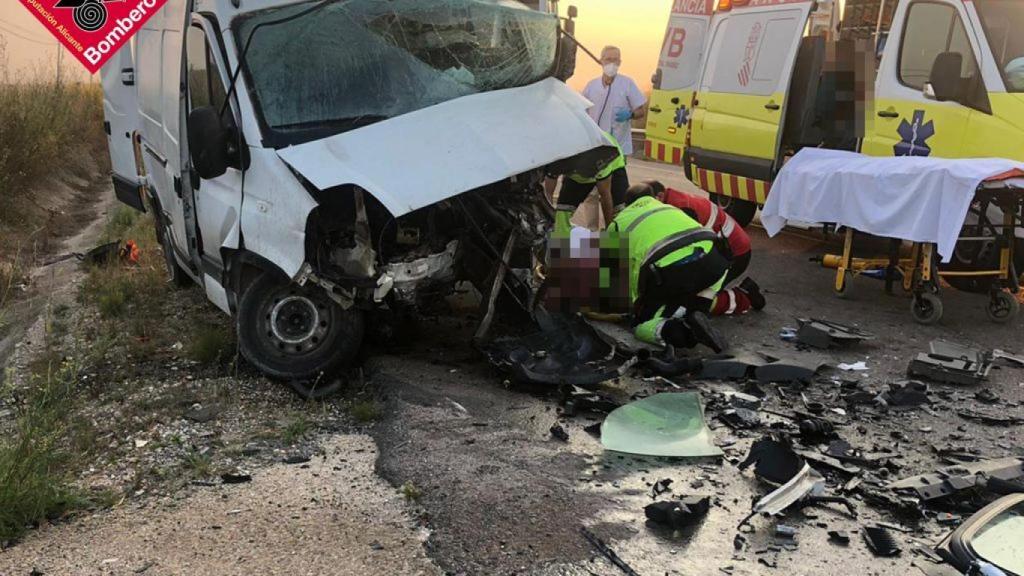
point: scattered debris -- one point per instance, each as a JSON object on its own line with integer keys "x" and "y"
{"x": 787, "y": 371}
{"x": 660, "y": 487}
{"x": 952, "y": 364}
{"x": 678, "y": 513}
{"x": 990, "y": 419}
{"x": 825, "y": 334}
{"x": 296, "y": 458}
{"x": 839, "y": 537}
{"x": 736, "y": 367}
{"x": 666, "y": 424}
{"x": 740, "y": 418}
{"x": 815, "y": 430}
{"x": 607, "y": 552}
{"x": 855, "y": 367}
{"x": 907, "y": 394}
{"x": 235, "y": 477}
{"x": 774, "y": 462}
{"x": 558, "y": 432}
{"x": 961, "y": 477}
{"x": 880, "y": 542}
{"x": 783, "y": 531}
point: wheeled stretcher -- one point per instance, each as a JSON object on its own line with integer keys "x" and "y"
{"x": 949, "y": 211}
{"x": 919, "y": 273}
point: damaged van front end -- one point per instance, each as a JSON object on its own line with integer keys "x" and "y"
{"x": 368, "y": 156}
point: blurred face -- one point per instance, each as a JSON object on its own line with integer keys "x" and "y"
{"x": 612, "y": 56}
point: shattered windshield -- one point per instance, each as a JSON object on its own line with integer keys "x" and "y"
{"x": 356, "y": 62}
{"x": 1001, "y": 541}
{"x": 1003, "y": 21}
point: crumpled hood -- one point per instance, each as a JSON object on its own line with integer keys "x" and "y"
{"x": 427, "y": 156}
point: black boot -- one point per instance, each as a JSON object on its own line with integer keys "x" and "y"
{"x": 704, "y": 332}
{"x": 753, "y": 291}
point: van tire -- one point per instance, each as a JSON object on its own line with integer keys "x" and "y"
{"x": 176, "y": 275}
{"x": 290, "y": 332}
{"x": 742, "y": 211}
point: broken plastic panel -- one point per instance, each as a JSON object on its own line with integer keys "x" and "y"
{"x": 952, "y": 363}
{"x": 807, "y": 482}
{"x": 825, "y": 334}
{"x": 357, "y": 62}
{"x": 953, "y": 479}
{"x": 668, "y": 424}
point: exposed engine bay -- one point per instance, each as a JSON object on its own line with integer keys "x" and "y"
{"x": 366, "y": 258}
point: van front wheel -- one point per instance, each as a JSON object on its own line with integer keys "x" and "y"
{"x": 296, "y": 333}
{"x": 742, "y": 211}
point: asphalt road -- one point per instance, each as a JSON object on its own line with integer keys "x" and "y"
{"x": 502, "y": 497}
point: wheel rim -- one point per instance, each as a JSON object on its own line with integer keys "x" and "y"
{"x": 924, "y": 307}
{"x": 297, "y": 324}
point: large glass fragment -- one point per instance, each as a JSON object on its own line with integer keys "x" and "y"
{"x": 669, "y": 424}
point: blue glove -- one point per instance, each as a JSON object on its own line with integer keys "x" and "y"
{"x": 623, "y": 115}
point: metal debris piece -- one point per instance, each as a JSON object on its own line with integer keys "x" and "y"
{"x": 960, "y": 477}
{"x": 952, "y": 363}
{"x": 824, "y": 334}
{"x": 667, "y": 424}
{"x": 816, "y": 430}
{"x": 839, "y": 537}
{"x": 235, "y": 477}
{"x": 783, "y": 531}
{"x": 842, "y": 450}
{"x": 880, "y": 542}
{"x": 826, "y": 461}
{"x": 607, "y": 552}
{"x": 678, "y": 513}
{"x": 807, "y": 483}
{"x": 1002, "y": 355}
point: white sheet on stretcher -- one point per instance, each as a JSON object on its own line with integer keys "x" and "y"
{"x": 910, "y": 198}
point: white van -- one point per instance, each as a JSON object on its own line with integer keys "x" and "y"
{"x": 311, "y": 162}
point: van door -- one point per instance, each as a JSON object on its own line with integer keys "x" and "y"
{"x": 121, "y": 123}
{"x": 676, "y": 79}
{"x": 906, "y": 122}
{"x": 741, "y": 102}
{"x": 217, "y": 201}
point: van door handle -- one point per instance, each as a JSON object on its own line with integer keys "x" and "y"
{"x": 772, "y": 106}
{"x": 656, "y": 109}
{"x": 890, "y": 113}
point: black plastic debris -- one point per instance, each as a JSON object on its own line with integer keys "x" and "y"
{"x": 816, "y": 430}
{"x": 907, "y": 394}
{"x": 773, "y": 461}
{"x": 986, "y": 396}
{"x": 785, "y": 532}
{"x": 235, "y": 477}
{"x": 952, "y": 364}
{"x": 842, "y": 450}
{"x": 787, "y": 371}
{"x": 558, "y": 432}
{"x": 569, "y": 352}
{"x": 295, "y": 458}
{"x": 990, "y": 419}
{"x": 840, "y": 537}
{"x": 962, "y": 477}
{"x": 577, "y": 400}
{"x": 607, "y": 552}
{"x": 678, "y": 513}
{"x": 594, "y": 429}
{"x": 825, "y": 334}
{"x": 733, "y": 367}
{"x": 660, "y": 487}
{"x": 740, "y": 418}
{"x": 880, "y": 542}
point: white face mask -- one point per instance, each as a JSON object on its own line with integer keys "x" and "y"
{"x": 611, "y": 70}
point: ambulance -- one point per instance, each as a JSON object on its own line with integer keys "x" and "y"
{"x": 941, "y": 78}
{"x": 318, "y": 167}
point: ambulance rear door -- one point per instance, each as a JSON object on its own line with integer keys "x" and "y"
{"x": 741, "y": 101}
{"x": 676, "y": 79}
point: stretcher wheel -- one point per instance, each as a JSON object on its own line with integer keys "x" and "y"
{"x": 926, "y": 308}
{"x": 1002, "y": 307}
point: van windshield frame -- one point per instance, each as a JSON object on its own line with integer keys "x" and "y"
{"x": 1002, "y": 21}
{"x": 354, "y": 63}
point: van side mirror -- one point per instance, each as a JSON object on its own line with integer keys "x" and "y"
{"x": 566, "y": 65}
{"x": 208, "y": 142}
{"x": 945, "y": 80}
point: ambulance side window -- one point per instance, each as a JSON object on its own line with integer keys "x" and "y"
{"x": 932, "y": 29}
{"x": 205, "y": 85}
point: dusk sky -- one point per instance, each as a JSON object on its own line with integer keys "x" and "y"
{"x": 637, "y": 26}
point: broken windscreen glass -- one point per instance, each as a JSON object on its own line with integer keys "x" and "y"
{"x": 356, "y": 62}
{"x": 1001, "y": 541}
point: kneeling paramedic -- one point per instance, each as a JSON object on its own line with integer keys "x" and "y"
{"x": 675, "y": 271}
{"x": 738, "y": 296}
{"x": 611, "y": 182}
